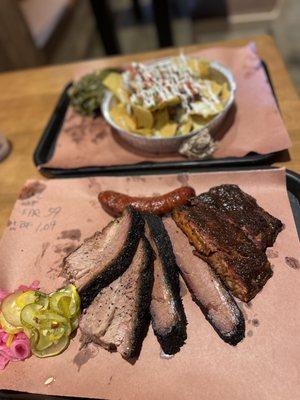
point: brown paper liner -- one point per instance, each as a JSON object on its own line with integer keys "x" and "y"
{"x": 253, "y": 125}
{"x": 53, "y": 217}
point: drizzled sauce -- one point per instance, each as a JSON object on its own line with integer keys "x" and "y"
{"x": 151, "y": 85}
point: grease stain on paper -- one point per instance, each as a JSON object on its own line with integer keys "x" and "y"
{"x": 65, "y": 248}
{"x": 72, "y": 234}
{"x": 85, "y": 354}
{"x": 183, "y": 179}
{"x": 292, "y": 262}
{"x": 93, "y": 183}
{"x": 255, "y": 322}
{"x": 40, "y": 256}
{"x": 31, "y": 189}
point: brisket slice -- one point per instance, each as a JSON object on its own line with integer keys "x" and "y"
{"x": 242, "y": 210}
{"x": 167, "y": 313}
{"x": 208, "y": 292}
{"x": 118, "y": 317}
{"x": 243, "y": 268}
{"x": 104, "y": 256}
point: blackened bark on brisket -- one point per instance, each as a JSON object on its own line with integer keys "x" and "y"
{"x": 119, "y": 316}
{"x": 105, "y": 256}
{"x": 167, "y": 313}
{"x": 207, "y": 290}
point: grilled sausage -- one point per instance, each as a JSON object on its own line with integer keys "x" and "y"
{"x": 114, "y": 203}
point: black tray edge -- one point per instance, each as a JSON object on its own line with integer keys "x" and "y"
{"x": 45, "y": 148}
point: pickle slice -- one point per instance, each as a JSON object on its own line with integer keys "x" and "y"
{"x": 43, "y": 342}
{"x": 33, "y": 335}
{"x": 25, "y": 298}
{"x": 53, "y": 350}
{"x": 28, "y": 316}
{"x": 54, "y": 329}
{"x": 61, "y": 303}
{"x": 66, "y": 301}
{"x": 10, "y": 310}
{"x": 7, "y": 327}
{"x": 49, "y": 324}
{"x": 14, "y": 303}
{"x": 30, "y": 297}
{"x": 74, "y": 323}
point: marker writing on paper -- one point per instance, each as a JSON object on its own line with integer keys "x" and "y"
{"x": 31, "y": 212}
{"x": 48, "y": 226}
{"x": 53, "y": 212}
{"x": 14, "y": 225}
{"x": 31, "y": 218}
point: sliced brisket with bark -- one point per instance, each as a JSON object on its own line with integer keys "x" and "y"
{"x": 242, "y": 210}
{"x": 167, "y": 313}
{"x": 118, "y": 317}
{"x": 241, "y": 265}
{"x": 104, "y": 256}
{"x": 208, "y": 292}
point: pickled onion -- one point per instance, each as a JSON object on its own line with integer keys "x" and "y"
{"x": 16, "y": 348}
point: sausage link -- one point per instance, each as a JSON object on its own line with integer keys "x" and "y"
{"x": 114, "y": 203}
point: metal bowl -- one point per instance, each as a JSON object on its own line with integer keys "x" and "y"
{"x": 157, "y": 145}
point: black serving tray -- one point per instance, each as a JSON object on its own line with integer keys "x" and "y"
{"x": 46, "y": 145}
{"x": 293, "y": 189}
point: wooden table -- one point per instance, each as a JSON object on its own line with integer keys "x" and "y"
{"x": 27, "y": 99}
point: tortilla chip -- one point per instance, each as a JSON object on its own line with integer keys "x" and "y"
{"x": 216, "y": 88}
{"x": 199, "y": 121}
{"x": 114, "y": 82}
{"x": 144, "y": 118}
{"x": 144, "y": 131}
{"x": 122, "y": 118}
{"x": 185, "y": 128}
{"x": 203, "y": 110}
{"x": 161, "y": 118}
{"x": 168, "y": 130}
{"x": 167, "y": 103}
{"x": 163, "y": 126}
{"x": 225, "y": 93}
{"x": 204, "y": 68}
{"x": 199, "y": 68}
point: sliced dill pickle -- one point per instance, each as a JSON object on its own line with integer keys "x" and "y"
{"x": 49, "y": 323}
{"x": 74, "y": 323}
{"x": 61, "y": 303}
{"x": 43, "y": 342}
{"x": 25, "y": 298}
{"x": 7, "y": 327}
{"x": 32, "y": 297}
{"x": 66, "y": 301}
{"x": 33, "y": 335}
{"x": 28, "y": 315}
{"x": 13, "y": 304}
{"x": 10, "y": 310}
{"x": 54, "y": 326}
{"x": 53, "y": 350}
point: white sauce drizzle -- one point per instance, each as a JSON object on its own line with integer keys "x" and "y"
{"x": 150, "y": 85}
